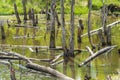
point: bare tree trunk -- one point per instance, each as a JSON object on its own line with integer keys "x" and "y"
{"x": 89, "y": 24}
{"x": 33, "y": 17}
{"x": 64, "y": 45}
{"x": 52, "y": 34}
{"x": 36, "y": 19}
{"x": 30, "y": 14}
{"x": 57, "y": 19}
{"x": 71, "y": 51}
{"x": 17, "y": 14}
{"x": 24, "y": 9}
{"x": 109, "y": 36}
{"x": 80, "y": 31}
{"x": 2, "y": 32}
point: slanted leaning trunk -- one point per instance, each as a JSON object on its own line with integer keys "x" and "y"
{"x": 17, "y": 14}
{"x": 52, "y": 30}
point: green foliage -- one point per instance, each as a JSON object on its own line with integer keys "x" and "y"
{"x": 6, "y": 6}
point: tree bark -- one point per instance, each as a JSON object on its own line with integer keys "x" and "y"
{"x": 2, "y": 32}
{"x": 33, "y": 17}
{"x": 71, "y": 51}
{"x": 101, "y": 28}
{"x": 89, "y": 24}
{"x": 64, "y": 45}
{"x": 39, "y": 67}
{"x": 52, "y": 34}
{"x": 95, "y": 55}
{"x": 47, "y": 70}
{"x": 17, "y": 14}
{"x": 24, "y": 9}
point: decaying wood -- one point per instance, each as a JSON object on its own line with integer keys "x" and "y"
{"x": 2, "y": 32}
{"x": 36, "y": 19}
{"x": 17, "y": 14}
{"x": 4, "y": 62}
{"x": 25, "y": 26}
{"x": 72, "y": 28}
{"x": 89, "y": 50}
{"x": 96, "y": 30}
{"x": 58, "y": 62}
{"x": 104, "y": 18}
{"x": 37, "y": 67}
{"x": 33, "y": 17}
{"x": 79, "y": 33}
{"x": 89, "y": 25}
{"x": 56, "y": 58}
{"x": 16, "y": 58}
{"x": 101, "y": 38}
{"x": 24, "y": 9}
{"x": 64, "y": 45}
{"x": 109, "y": 43}
{"x": 52, "y": 31}
{"x": 48, "y": 70}
{"x": 101, "y": 51}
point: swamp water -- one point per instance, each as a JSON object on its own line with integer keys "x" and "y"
{"x": 99, "y": 69}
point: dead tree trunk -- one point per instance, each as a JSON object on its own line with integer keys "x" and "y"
{"x": 89, "y": 24}
{"x": 33, "y": 17}
{"x": 80, "y": 31}
{"x": 64, "y": 45}
{"x": 24, "y": 9}
{"x": 2, "y": 32}
{"x": 104, "y": 21}
{"x": 101, "y": 38}
{"x": 71, "y": 51}
{"x": 36, "y": 19}
{"x": 17, "y": 14}
{"x": 109, "y": 36}
{"x": 52, "y": 34}
{"x": 57, "y": 19}
{"x": 30, "y": 14}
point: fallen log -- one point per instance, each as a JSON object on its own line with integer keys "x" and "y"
{"x": 25, "y": 26}
{"x": 96, "y": 30}
{"x": 95, "y": 55}
{"x": 37, "y": 67}
{"x": 89, "y": 50}
{"x": 16, "y": 58}
{"x": 47, "y": 70}
{"x": 56, "y": 58}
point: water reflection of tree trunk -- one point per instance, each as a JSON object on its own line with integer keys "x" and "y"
{"x": 69, "y": 62}
{"x": 17, "y": 31}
